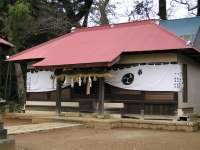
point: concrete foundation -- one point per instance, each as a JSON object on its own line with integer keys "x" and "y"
{"x": 96, "y": 123}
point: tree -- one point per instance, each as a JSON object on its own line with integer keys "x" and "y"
{"x": 27, "y": 23}
{"x": 162, "y": 9}
{"x": 143, "y": 9}
{"x": 192, "y": 6}
{"x": 17, "y": 24}
{"x": 101, "y": 12}
{"x": 198, "y": 8}
{"x": 102, "y": 8}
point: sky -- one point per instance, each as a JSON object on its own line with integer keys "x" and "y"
{"x": 124, "y": 7}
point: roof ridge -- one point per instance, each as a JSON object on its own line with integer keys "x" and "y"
{"x": 94, "y": 28}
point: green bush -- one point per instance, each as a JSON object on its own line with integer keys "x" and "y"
{"x": 10, "y": 107}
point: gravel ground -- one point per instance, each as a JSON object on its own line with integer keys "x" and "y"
{"x": 116, "y": 139}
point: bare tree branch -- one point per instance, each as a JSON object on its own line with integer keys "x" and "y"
{"x": 188, "y": 5}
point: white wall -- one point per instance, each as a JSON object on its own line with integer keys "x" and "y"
{"x": 193, "y": 84}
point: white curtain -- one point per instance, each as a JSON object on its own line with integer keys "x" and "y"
{"x": 166, "y": 77}
{"x": 41, "y": 81}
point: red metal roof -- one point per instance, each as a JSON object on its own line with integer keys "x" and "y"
{"x": 102, "y": 44}
{"x": 4, "y": 42}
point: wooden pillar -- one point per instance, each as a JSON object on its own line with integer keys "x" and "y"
{"x": 185, "y": 85}
{"x": 142, "y": 104}
{"x": 101, "y": 95}
{"x": 58, "y": 95}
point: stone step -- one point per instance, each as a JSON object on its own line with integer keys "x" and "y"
{"x": 40, "y": 127}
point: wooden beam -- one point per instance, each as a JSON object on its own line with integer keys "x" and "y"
{"x": 58, "y": 94}
{"x": 101, "y": 95}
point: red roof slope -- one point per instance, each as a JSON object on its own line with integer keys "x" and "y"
{"x": 4, "y": 42}
{"x": 102, "y": 44}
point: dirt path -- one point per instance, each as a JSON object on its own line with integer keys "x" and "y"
{"x": 117, "y": 139}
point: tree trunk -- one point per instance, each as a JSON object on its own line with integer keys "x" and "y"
{"x": 198, "y": 8}
{"x": 162, "y": 9}
{"x": 85, "y": 21}
{"x": 21, "y": 90}
{"x": 102, "y": 7}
